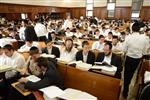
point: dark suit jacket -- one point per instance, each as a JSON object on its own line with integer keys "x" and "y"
{"x": 55, "y": 51}
{"x": 90, "y": 57}
{"x": 115, "y": 60}
{"x": 51, "y": 77}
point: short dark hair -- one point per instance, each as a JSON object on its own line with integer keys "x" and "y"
{"x": 101, "y": 36}
{"x": 48, "y": 41}
{"x": 109, "y": 44}
{"x": 41, "y": 61}
{"x": 8, "y": 47}
{"x": 85, "y": 43}
{"x": 110, "y": 33}
{"x": 148, "y": 29}
{"x": 33, "y": 50}
{"x": 68, "y": 39}
{"x": 136, "y": 27}
{"x": 115, "y": 37}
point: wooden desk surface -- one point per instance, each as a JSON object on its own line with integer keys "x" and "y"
{"x": 102, "y": 86}
{"x": 23, "y": 93}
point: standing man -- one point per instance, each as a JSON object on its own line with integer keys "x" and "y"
{"x": 134, "y": 48}
{"x": 40, "y": 30}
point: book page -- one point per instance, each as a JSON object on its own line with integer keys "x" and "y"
{"x": 52, "y": 91}
{"x": 33, "y": 78}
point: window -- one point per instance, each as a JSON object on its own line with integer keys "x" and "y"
{"x": 24, "y": 16}
{"x": 89, "y": 8}
{"x": 111, "y": 8}
{"x": 136, "y": 7}
{"x": 135, "y": 14}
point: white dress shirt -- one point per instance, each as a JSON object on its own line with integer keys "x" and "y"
{"x": 78, "y": 35}
{"x": 118, "y": 46}
{"x": 135, "y": 45}
{"x": 16, "y": 60}
{"x": 2, "y": 59}
{"x": 98, "y": 46}
{"x": 107, "y": 59}
{"x": 85, "y": 57}
{"x": 69, "y": 56}
{"x": 22, "y": 33}
{"x": 67, "y": 23}
{"x": 26, "y": 48}
{"x": 40, "y": 29}
{"x": 69, "y": 34}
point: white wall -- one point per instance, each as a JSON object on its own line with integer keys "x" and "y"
{"x": 71, "y": 3}
{"x": 146, "y": 3}
{"x": 123, "y": 2}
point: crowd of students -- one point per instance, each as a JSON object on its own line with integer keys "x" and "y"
{"x": 63, "y": 40}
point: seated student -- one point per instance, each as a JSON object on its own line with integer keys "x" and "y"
{"x": 52, "y": 36}
{"x": 99, "y": 45}
{"x": 28, "y": 44}
{"x": 109, "y": 37}
{"x": 13, "y": 34}
{"x": 68, "y": 52}
{"x": 29, "y": 67}
{"x": 78, "y": 34}
{"x": 116, "y": 45}
{"x": 50, "y": 49}
{"x": 49, "y": 76}
{"x": 110, "y": 58}
{"x": 85, "y": 55}
{"x": 68, "y": 33}
{"x": 13, "y": 59}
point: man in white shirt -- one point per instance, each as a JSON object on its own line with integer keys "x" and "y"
{"x": 28, "y": 44}
{"x": 40, "y": 30}
{"x": 67, "y": 23}
{"x": 78, "y": 34}
{"x": 68, "y": 52}
{"x": 22, "y": 29}
{"x": 13, "y": 59}
{"x": 116, "y": 45}
{"x": 99, "y": 45}
{"x": 134, "y": 47}
{"x": 68, "y": 33}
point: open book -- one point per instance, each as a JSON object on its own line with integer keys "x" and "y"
{"x": 104, "y": 68}
{"x": 4, "y": 68}
{"x": 64, "y": 61}
{"x": 73, "y": 94}
{"x": 53, "y": 92}
{"x": 47, "y": 55}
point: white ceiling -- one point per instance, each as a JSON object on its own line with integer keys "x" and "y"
{"x": 71, "y": 3}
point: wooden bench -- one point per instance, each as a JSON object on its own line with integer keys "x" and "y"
{"x": 102, "y": 86}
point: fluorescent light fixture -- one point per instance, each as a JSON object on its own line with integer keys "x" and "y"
{"x": 89, "y": 1}
{"x": 111, "y": 6}
{"x": 135, "y": 15}
{"x": 89, "y": 7}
